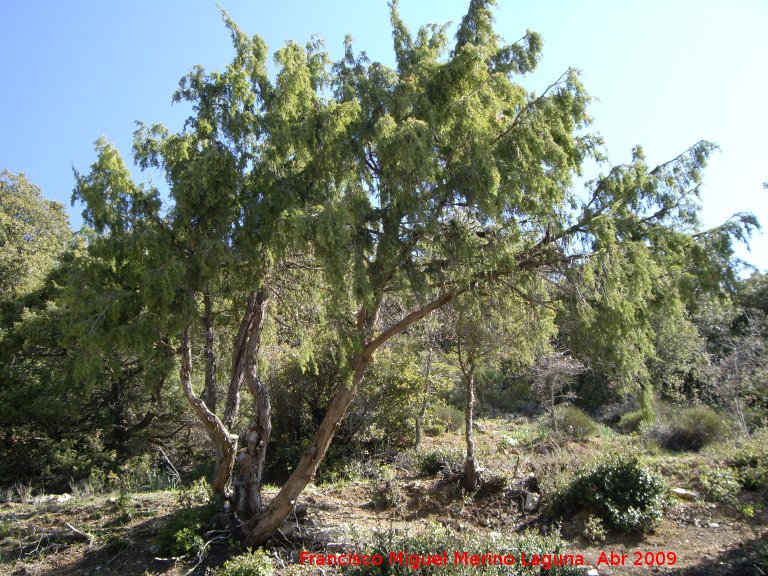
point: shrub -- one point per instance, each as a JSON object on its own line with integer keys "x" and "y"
{"x": 751, "y": 462}
{"x": 256, "y": 563}
{"x": 181, "y": 533}
{"x": 594, "y": 531}
{"x": 437, "y": 538}
{"x": 574, "y": 423}
{"x": 634, "y": 421}
{"x": 620, "y": 491}
{"x": 387, "y": 495}
{"x": 450, "y": 417}
{"x": 694, "y": 428}
{"x": 440, "y": 462}
{"x": 721, "y": 484}
{"x": 494, "y": 484}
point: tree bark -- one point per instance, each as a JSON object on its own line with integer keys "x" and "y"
{"x": 424, "y": 401}
{"x": 209, "y": 392}
{"x": 250, "y": 464}
{"x": 261, "y": 527}
{"x": 471, "y": 476}
{"x": 239, "y": 358}
{"x": 224, "y": 443}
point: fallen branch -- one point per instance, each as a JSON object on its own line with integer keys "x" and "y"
{"x": 80, "y": 535}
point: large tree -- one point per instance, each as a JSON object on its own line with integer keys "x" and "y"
{"x": 407, "y": 188}
{"x": 457, "y": 175}
{"x": 34, "y": 232}
{"x": 201, "y": 269}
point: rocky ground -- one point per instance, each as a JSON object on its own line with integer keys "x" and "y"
{"x": 68, "y": 536}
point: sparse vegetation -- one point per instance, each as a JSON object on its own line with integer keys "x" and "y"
{"x": 435, "y": 539}
{"x": 751, "y": 462}
{"x": 255, "y": 563}
{"x": 182, "y": 532}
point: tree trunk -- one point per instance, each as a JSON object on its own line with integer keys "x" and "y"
{"x": 250, "y": 464}
{"x": 209, "y": 392}
{"x": 224, "y": 443}
{"x": 552, "y": 412}
{"x": 471, "y": 476}
{"x": 239, "y": 356}
{"x": 424, "y": 400}
{"x": 261, "y": 527}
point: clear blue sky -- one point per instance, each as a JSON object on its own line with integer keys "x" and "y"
{"x": 665, "y": 74}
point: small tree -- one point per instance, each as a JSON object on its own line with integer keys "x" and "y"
{"x": 552, "y": 375}
{"x": 487, "y": 328}
{"x": 740, "y": 369}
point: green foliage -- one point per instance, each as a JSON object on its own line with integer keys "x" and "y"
{"x": 694, "y": 428}
{"x": 594, "y": 530}
{"x": 181, "y": 534}
{"x": 440, "y": 462}
{"x": 619, "y": 490}
{"x": 751, "y": 462}
{"x": 450, "y": 417}
{"x": 198, "y": 493}
{"x": 34, "y": 232}
{"x": 575, "y": 423}
{"x": 253, "y": 563}
{"x": 721, "y": 484}
{"x": 435, "y": 539}
{"x": 634, "y": 421}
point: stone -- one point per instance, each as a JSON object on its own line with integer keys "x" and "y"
{"x": 479, "y": 427}
{"x": 686, "y": 494}
{"x": 593, "y": 572}
{"x": 532, "y": 501}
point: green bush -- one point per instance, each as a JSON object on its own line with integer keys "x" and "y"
{"x": 751, "y": 462}
{"x": 694, "y": 428}
{"x": 386, "y": 495}
{"x": 634, "y": 421}
{"x": 440, "y": 462}
{"x": 574, "y": 423}
{"x": 256, "y": 563}
{"x": 620, "y": 491}
{"x": 450, "y": 417}
{"x": 435, "y": 539}
{"x": 721, "y": 484}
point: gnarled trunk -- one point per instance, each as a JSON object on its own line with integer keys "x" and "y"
{"x": 225, "y": 444}
{"x": 209, "y": 392}
{"x": 250, "y": 463}
{"x": 262, "y": 526}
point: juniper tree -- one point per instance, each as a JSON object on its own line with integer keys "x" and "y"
{"x": 416, "y": 183}
{"x": 235, "y": 173}
{"x": 493, "y": 324}
{"x": 454, "y": 174}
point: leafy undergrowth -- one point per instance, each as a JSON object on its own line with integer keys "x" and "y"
{"x": 413, "y": 498}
